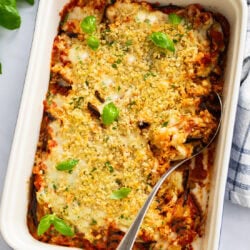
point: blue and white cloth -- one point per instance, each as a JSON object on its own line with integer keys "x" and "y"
{"x": 238, "y": 181}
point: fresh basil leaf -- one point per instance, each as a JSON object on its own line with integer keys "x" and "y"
{"x": 110, "y": 113}
{"x": 9, "y": 16}
{"x": 45, "y": 223}
{"x": 161, "y": 40}
{"x": 93, "y": 42}
{"x": 9, "y": 2}
{"x": 67, "y": 165}
{"x": 120, "y": 193}
{"x": 62, "y": 227}
{"x": 174, "y": 19}
{"x": 88, "y": 24}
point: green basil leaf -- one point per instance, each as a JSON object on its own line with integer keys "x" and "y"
{"x": 62, "y": 227}
{"x": 161, "y": 40}
{"x": 110, "y": 113}
{"x": 120, "y": 193}
{"x": 67, "y": 165}
{"x": 174, "y": 19}
{"x": 9, "y": 2}
{"x": 45, "y": 223}
{"x": 88, "y": 24}
{"x": 0, "y": 68}
{"x": 9, "y": 16}
{"x": 93, "y": 42}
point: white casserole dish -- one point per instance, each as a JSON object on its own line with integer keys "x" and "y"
{"x": 15, "y": 196}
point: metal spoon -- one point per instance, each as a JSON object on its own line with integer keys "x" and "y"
{"x": 214, "y": 105}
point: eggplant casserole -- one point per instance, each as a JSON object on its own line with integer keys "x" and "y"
{"x": 127, "y": 98}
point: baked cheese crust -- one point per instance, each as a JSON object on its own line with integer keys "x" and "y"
{"x": 160, "y": 97}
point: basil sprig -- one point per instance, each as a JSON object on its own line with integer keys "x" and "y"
{"x": 59, "y": 224}
{"x": 62, "y": 227}
{"x": 45, "y": 224}
{"x": 67, "y": 165}
{"x": 9, "y": 15}
{"x": 162, "y": 40}
{"x": 93, "y": 42}
{"x": 88, "y": 24}
{"x": 110, "y": 113}
{"x": 120, "y": 193}
{"x": 174, "y": 19}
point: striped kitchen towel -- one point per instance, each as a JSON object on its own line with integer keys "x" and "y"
{"x": 238, "y": 181}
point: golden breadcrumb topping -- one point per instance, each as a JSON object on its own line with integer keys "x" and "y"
{"x": 158, "y": 94}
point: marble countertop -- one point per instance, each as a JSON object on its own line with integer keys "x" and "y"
{"x": 14, "y": 55}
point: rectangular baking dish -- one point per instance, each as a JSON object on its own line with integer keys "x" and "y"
{"x": 15, "y": 196}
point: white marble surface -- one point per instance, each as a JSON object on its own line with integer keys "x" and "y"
{"x": 14, "y": 54}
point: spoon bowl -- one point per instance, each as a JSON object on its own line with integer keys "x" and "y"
{"x": 213, "y": 104}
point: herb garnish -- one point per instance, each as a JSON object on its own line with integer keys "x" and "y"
{"x": 54, "y": 187}
{"x": 110, "y": 113}
{"x": 174, "y": 19}
{"x": 67, "y": 165}
{"x": 93, "y": 42}
{"x": 161, "y": 40}
{"x": 88, "y": 24}
{"x": 109, "y": 166}
{"x": 120, "y": 193}
{"x": 93, "y": 222}
{"x": 9, "y": 16}
{"x": 30, "y": 1}
{"x": 114, "y": 65}
{"x": 77, "y": 102}
{"x": 149, "y": 74}
{"x": 64, "y": 20}
{"x": 59, "y": 224}
{"x": 164, "y": 124}
{"x": 128, "y": 42}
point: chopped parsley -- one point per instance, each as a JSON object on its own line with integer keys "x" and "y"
{"x": 109, "y": 166}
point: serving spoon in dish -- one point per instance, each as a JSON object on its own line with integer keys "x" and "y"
{"x": 214, "y": 105}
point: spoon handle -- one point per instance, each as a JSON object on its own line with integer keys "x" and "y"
{"x": 129, "y": 238}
